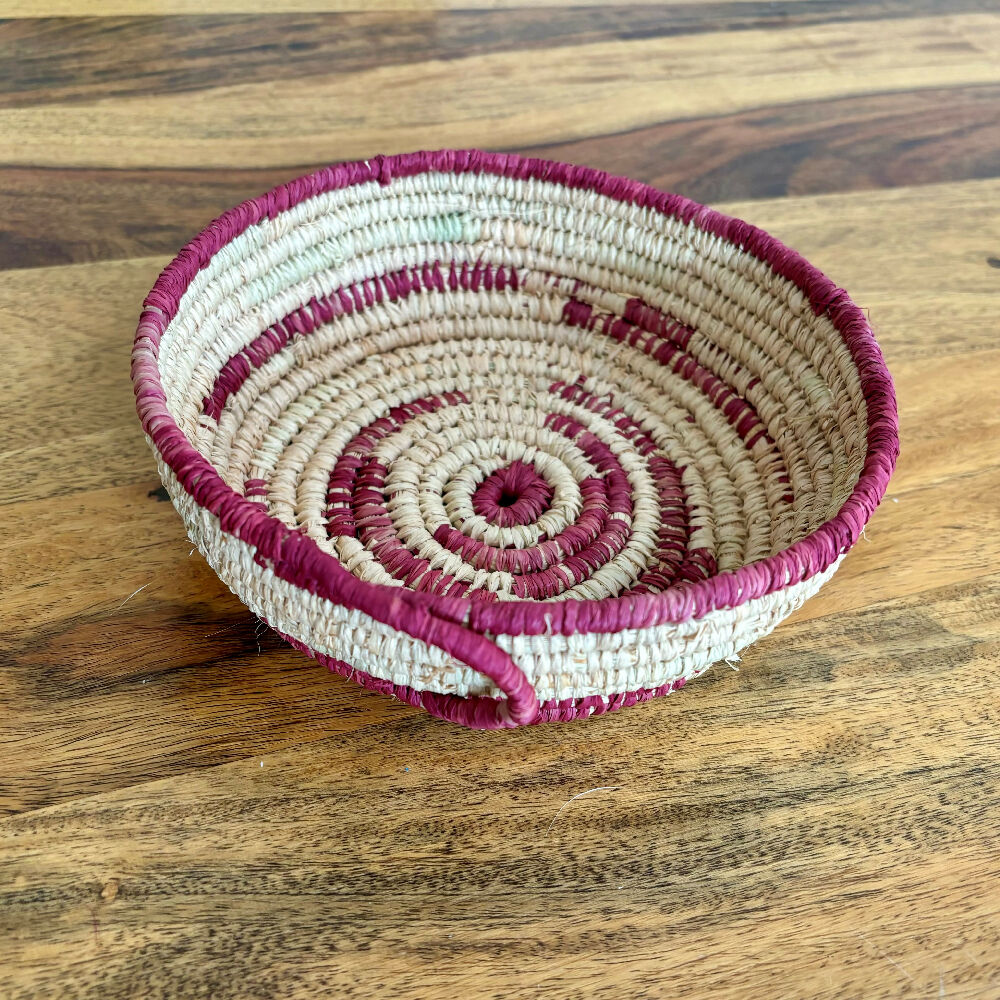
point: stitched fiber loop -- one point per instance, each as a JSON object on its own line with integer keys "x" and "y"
{"x": 507, "y": 439}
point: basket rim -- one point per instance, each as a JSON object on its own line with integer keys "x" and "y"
{"x": 297, "y": 558}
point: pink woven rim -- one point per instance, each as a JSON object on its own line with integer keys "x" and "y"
{"x": 457, "y": 625}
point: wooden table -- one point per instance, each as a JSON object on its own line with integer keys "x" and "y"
{"x": 195, "y": 810}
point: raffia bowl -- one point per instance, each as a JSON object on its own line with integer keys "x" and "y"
{"x": 510, "y": 439}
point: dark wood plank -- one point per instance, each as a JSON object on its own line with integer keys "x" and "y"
{"x": 58, "y": 60}
{"x": 417, "y": 859}
{"x": 816, "y": 147}
{"x": 58, "y": 216}
{"x": 508, "y": 99}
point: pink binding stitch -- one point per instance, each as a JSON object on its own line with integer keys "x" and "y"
{"x": 459, "y": 626}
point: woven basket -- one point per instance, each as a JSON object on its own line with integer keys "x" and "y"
{"x": 510, "y": 439}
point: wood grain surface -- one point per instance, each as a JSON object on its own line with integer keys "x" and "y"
{"x": 191, "y": 809}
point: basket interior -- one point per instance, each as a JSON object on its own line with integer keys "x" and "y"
{"x": 510, "y": 389}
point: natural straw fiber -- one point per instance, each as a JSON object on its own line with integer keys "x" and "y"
{"x": 510, "y": 439}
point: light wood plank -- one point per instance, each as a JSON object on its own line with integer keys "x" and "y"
{"x": 505, "y": 98}
{"x": 65, "y": 382}
{"x": 887, "y": 247}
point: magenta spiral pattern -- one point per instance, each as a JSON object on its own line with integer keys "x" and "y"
{"x": 510, "y": 439}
